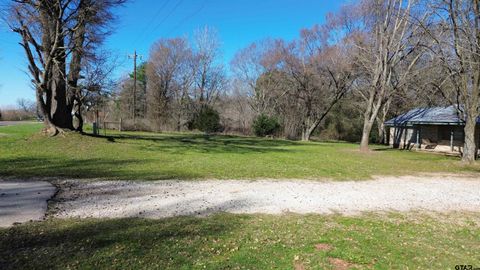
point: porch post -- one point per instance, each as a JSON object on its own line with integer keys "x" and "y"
{"x": 418, "y": 137}
{"x": 451, "y": 139}
{"x": 478, "y": 143}
{"x": 387, "y": 135}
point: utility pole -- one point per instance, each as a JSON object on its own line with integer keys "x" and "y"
{"x": 134, "y": 57}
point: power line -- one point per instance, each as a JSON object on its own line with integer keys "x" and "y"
{"x": 188, "y": 17}
{"x": 168, "y": 15}
{"x": 162, "y": 7}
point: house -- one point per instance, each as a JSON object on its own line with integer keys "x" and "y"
{"x": 438, "y": 129}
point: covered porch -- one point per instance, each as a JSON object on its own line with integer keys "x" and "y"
{"x": 448, "y": 139}
{"x": 437, "y": 129}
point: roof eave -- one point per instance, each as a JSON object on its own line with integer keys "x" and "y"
{"x": 413, "y": 123}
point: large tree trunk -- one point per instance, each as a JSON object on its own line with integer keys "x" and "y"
{"x": 381, "y": 132}
{"x": 470, "y": 146}
{"x": 367, "y": 129}
{"x": 305, "y": 135}
{"x": 50, "y": 128}
{"x": 382, "y": 115}
{"x": 61, "y": 116}
{"x": 369, "y": 119}
{"x": 367, "y": 126}
{"x": 75, "y": 93}
{"x": 77, "y": 114}
{"x": 308, "y": 130}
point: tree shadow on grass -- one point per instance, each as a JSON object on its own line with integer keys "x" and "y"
{"x": 143, "y": 162}
{"x": 384, "y": 149}
{"x": 203, "y": 143}
{"x": 112, "y": 244}
{"x": 93, "y": 168}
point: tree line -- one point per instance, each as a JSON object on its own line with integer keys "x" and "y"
{"x": 181, "y": 83}
{"x": 369, "y": 61}
{"x": 24, "y": 110}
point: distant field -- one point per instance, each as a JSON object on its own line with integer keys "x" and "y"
{"x": 150, "y": 156}
{"x": 227, "y": 241}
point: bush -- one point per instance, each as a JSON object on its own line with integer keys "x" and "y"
{"x": 206, "y": 120}
{"x": 264, "y": 125}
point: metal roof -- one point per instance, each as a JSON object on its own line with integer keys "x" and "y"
{"x": 429, "y": 116}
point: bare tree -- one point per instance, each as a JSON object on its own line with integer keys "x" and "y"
{"x": 235, "y": 109}
{"x": 57, "y": 35}
{"x": 249, "y": 65}
{"x": 209, "y": 73}
{"x": 94, "y": 86}
{"x": 26, "y": 105}
{"x": 321, "y": 76}
{"x": 455, "y": 31}
{"x": 170, "y": 78}
{"x": 301, "y": 81}
{"x": 384, "y": 43}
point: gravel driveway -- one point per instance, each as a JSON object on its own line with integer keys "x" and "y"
{"x": 173, "y": 198}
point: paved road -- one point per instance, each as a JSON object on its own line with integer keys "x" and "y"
{"x": 14, "y": 123}
{"x": 23, "y": 201}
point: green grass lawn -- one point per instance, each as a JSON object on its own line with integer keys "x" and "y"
{"x": 26, "y": 153}
{"x": 226, "y": 241}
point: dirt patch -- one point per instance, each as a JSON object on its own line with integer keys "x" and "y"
{"x": 339, "y": 264}
{"x": 298, "y": 266}
{"x": 323, "y": 247}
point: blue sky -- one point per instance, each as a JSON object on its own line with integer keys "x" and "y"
{"x": 142, "y": 22}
